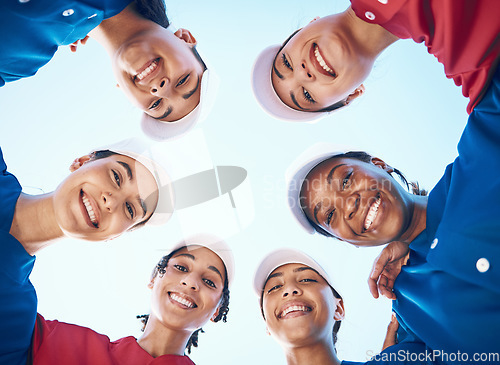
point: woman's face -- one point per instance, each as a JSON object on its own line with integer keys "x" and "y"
{"x": 104, "y": 198}
{"x": 189, "y": 293}
{"x": 355, "y": 201}
{"x": 319, "y": 66}
{"x": 299, "y": 305}
{"x": 159, "y": 73}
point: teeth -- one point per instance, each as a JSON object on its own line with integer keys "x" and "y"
{"x": 372, "y": 213}
{"x": 182, "y": 301}
{"x": 321, "y": 61}
{"x": 295, "y": 308}
{"x": 148, "y": 70}
{"x": 90, "y": 211}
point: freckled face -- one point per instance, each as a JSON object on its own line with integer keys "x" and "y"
{"x": 189, "y": 292}
{"x": 318, "y": 67}
{"x": 159, "y": 73}
{"x": 356, "y": 201}
{"x": 104, "y": 198}
{"x": 298, "y": 305}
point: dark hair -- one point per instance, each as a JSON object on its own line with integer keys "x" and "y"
{"x": 334, "y": 106}
{"x": 97, "y": 155}
{"x": 156, "y": 11}
{"x": 364, "y": 157}
{"x": 336, "y": 326}
{"x": 159, "y": 270}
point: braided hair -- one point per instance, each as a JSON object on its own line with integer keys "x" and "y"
{"x": 159, "y": 270}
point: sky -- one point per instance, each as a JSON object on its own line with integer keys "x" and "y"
{"x": 411, "y": 116}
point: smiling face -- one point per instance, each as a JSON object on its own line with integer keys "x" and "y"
{"x": 188, "y": 294}
{"x": 159, "y": 72}
{"x": 104, "y": 198}
{"x": 319, "y": 66}
{"x": 299, "y": 306}
{"x": 356, "y": 201}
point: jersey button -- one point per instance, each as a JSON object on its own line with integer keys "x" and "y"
{"x": 369, "y": 15}
{"x": 434, "y": 243}
{"x": 68, "y": 12}
{"x": 482, "y": 265}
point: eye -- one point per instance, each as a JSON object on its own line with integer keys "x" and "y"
{"x": 180, "y": 268}
{"x": 276, "y": 287}
{"x": 329, "y": 217}
{"x": 155, "y": 104}
{"x": 183, "y": 80}
{"x": 346, "y": 182}
{"x": 116, "y": 176}
{"x": 285, "y": 62}
{"x": 210, "y": 283}
{"x": 130, "y": 210}
{"x": 308, "y": 281}
{"x": 308, "y": 96}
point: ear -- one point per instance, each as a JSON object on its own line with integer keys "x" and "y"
{"x": 360, "y": 90}
{"x": 151, "y": 284}
{"x": 315, "y": 18}
{"x": 78, "y": 162}
{"x": 267, "y": 331}
{"x": 339, "y": 311}
{"x": 186, "y": 36}
{"x": 215, "y": 314}
{"x": 379, "y": 163}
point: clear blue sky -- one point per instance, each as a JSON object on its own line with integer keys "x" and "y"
{"x": 411, "y": 116}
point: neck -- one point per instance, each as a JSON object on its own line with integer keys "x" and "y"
{"x": 318, "y": 353}
{"x": 34, "y": 224}
{"x": 159, "y": 340}
{"x": 418, "y": 219}
{"x": 113, "y": 32}
{"x": 369, "y": 39}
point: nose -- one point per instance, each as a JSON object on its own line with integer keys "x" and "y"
{"x": 351, "y": 206}
{"x": 305, "y": 72}
{"x": 159, "y": 86}
{"x": 109, "y": 201}
{"x": 190, "y": 282}
{"x": 291, "y": 290}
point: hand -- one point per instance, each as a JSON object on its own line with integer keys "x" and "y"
{"x": 392, "y": 332}
{"x": 73, "y": 46}
{"x": 386, "y": 269}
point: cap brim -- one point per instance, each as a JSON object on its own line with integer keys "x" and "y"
{"x": 266, "y": 96}
{"x": 282, "y": 257}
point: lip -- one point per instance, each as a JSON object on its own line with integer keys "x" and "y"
{"x": 146, "y": 78}
{"x": 294, "y": 312}
{"x": 378, "y": 219}
{"x": 181, "y": 300}
{"x": 84, "y": 211}
{"x": 317, "y": 65}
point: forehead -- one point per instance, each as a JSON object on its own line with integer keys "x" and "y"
{"x": 289, "y": 270}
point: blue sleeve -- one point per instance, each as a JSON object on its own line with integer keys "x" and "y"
{"x": 18, "y": 301}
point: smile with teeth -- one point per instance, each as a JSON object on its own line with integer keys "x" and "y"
{"x": 321, "y": 61}
{"x": 294, "y": 308}
{"x": 183, "y": 301}
{"x": 147, "y": 70}
{"x": 372, "y": 213}
{"x": 90, "y": 210}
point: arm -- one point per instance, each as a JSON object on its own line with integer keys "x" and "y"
{"x": 386, "y": 269}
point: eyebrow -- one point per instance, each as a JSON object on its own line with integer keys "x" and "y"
{"x": 279, "y": 273}
{"x": 330, "y": 174}
{"x": 166, "y": 114}
{"x": 189, "y": 94}
{"x": 275, "y": 69}
{"x": 292, "y": 96}
{"x": 316, "y": 210}
{"x": 142, "y": 203}
{"x": 213, "y": 268}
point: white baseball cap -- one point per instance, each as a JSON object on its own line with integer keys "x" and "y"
{"x": 266, "y": 96}
{"x": 142, "y": 152}
{"x": 282, "y": 257}
{"x": 297, "y": 172}
{"x": 215, "y": 244}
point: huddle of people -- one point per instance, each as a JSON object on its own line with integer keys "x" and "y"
{"x": 442, "y": 242}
